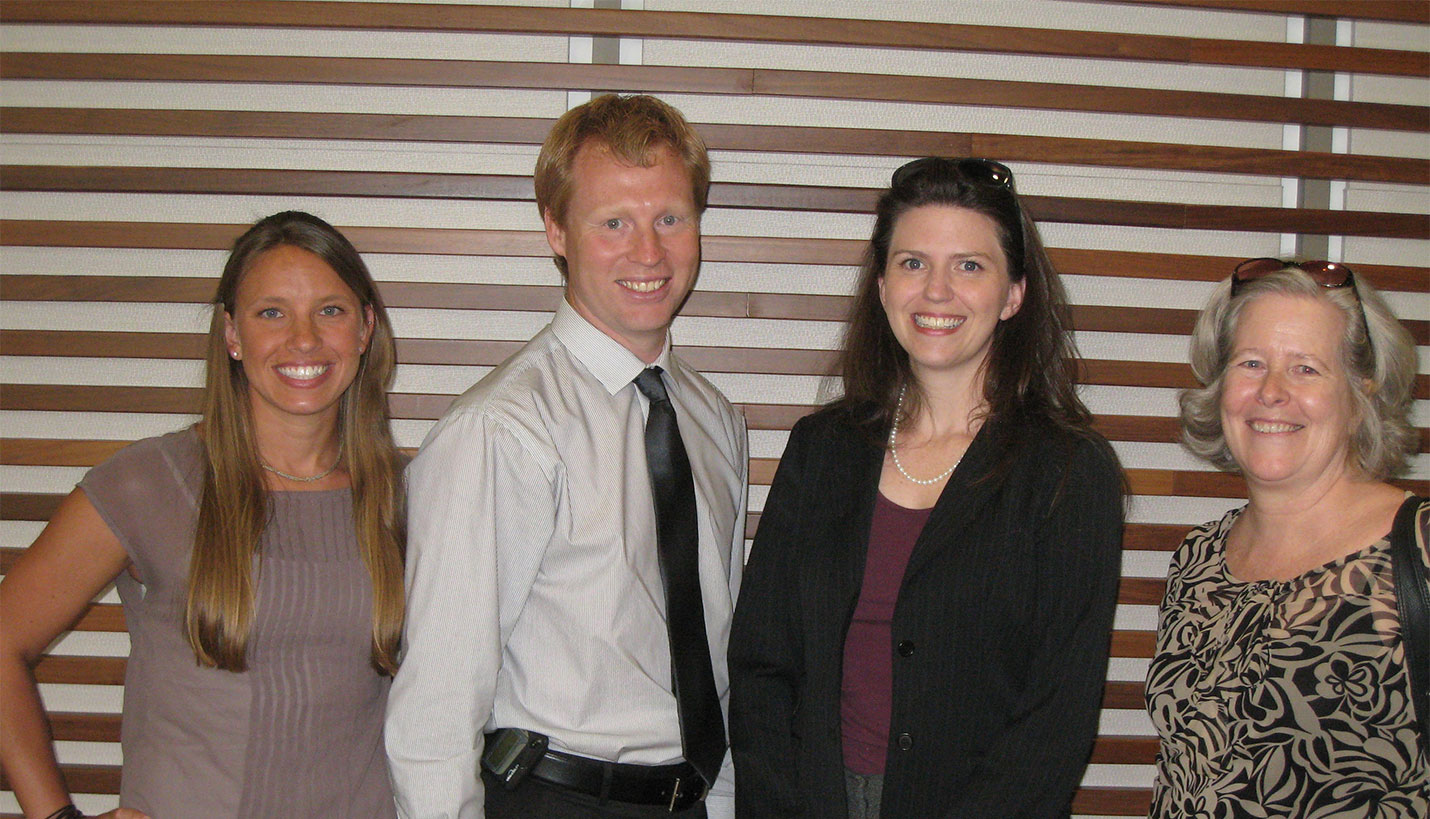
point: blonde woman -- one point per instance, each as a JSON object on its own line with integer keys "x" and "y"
{"x": 258, "y": 555}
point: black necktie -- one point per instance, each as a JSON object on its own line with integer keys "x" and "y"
{"x": 702, "y": 727}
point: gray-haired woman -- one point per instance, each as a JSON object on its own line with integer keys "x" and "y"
{"x": 1279, "y": 685}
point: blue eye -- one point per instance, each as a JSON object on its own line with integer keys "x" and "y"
{"x": 969, "y": 266}
{"x": 912, "y": 264}
{"x": 271, "y": 312}
{"x": 668, "y": 220}
{"x": 613, "y": 224}
{"x": 331, "y": 310}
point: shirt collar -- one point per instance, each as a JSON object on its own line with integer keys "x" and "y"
{"x": 612, "y": 364}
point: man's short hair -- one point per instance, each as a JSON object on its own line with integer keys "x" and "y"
{"x": 632, "y": 128}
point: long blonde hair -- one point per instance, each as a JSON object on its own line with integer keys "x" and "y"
{"x": 233, "y": 504}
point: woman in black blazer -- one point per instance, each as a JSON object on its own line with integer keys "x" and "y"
{"x": 923, "y": 626}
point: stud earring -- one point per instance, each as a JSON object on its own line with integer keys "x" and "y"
{"x": 235, "y": 354}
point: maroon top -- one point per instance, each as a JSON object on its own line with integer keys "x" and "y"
{"x": 868, "y": 684}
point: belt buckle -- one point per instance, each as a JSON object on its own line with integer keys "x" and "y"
{"x": 676, "y": 792}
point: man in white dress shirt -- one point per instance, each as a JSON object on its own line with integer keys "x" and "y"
{"x": 537, "y": 679}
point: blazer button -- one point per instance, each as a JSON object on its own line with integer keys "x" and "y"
{"x": 905, "y": 648}
{"x": 905, "y": 741}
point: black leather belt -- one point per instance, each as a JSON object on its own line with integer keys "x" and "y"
{"x": 674, "y": 787}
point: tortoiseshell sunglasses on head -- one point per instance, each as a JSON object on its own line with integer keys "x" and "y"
{"x": 1330, "y": 275}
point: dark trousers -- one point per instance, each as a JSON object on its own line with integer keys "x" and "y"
{"x": 533, "y": 798}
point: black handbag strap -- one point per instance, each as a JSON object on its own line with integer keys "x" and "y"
{"x": 1408, "y": 572}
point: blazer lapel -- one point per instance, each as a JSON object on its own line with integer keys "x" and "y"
{"x": 961, "y": 501}
{"x": 854, "y": 471}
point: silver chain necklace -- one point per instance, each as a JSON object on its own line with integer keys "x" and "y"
{"x": 318, "y": 477}
{"x": 894, "y": 433}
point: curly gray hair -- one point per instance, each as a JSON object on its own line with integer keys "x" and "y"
{"x": 1377, "y": 352}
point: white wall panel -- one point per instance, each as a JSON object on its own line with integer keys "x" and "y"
{"x": 1055, "y": 14}
{"x": 289, "y": 42}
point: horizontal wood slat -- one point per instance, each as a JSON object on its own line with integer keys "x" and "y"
{"x": 1134, "y": 644}
{"x": 1155, "y": 482}
{"x": 56, "y": 451}
{"x": 1112, "y": 801}
{"x": 33, "y": 506}
{"x": 1131, "y": 696}
{"x": 484, "y": 187}
{"x": 78, "y": 727}
{"x": 723, "y": 81}
{"x": 544, "y": 298}
{"x": 1196, "y": 268}
{"x": 100, "y": 344}
{"x": 8, "y": 554}
{"x": 39, "y": 508}
{"x": 417, "y": 406}
{"x": 73, "y": 670}
{"x": 185, "y": 400}
{"x": 1124, "y": 750}
{"x": 1395, "y": 11}
{"x": 1161, "y": 537}
{"x": 104, "y": 779}
{"x": 102, "y": 617}
{"x": 77, "y": 670}
{"x": 722, "y": 136}
{"x": 532, "y": 243}
{"x": 83, "y": 670}
{"x": 1133, "y": 591}
{"x": 737, "y": 27}
{"x": 86, "y": 727}
{"x": 97, "y": 344}
{"x": 1141, "y": 591}
{"x": 81, "y": 727}
{"x": 1138, "y": 591}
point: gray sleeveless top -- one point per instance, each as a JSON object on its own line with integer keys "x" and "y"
{"x": 297, "y": 735}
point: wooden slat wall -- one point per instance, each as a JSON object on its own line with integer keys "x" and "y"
{"x": 1157, "y": 142}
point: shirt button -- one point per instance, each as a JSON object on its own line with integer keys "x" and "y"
{"x": 906, "y": 742}
{"x": 905, "y": 648}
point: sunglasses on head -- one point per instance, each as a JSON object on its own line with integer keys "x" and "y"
{"x": 1330, "y": 275}
{"x": 982, "y": 171}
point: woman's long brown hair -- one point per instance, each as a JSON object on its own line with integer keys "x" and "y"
{"x": 1032, "y": 367}
{"x": 233, "y": 504}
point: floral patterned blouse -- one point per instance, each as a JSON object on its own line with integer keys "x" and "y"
{"x": 1284, "y": 698}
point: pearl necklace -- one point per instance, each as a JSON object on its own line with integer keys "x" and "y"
{"x": 894, "y": 433}
{"x": 318, "y": 477}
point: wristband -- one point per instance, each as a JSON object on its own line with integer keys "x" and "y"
{"x": 67, "y": 812}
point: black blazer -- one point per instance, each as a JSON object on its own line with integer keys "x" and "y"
{"x": 1000, "y": 633}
